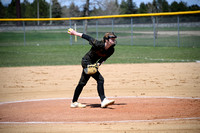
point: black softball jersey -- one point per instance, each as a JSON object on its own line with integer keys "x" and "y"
{"x": 97, "y": 51}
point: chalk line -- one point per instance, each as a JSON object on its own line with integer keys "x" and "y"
{"x": 49, "y": 99}
{"x": 93, "y": 122}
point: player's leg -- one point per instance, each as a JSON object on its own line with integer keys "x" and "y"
{"x": 100, "y": 84}
{"x": 82, "y": 82}
{"x": 100, "y": 87}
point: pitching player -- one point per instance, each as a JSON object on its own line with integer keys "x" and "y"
{"x": 99, "y": 52}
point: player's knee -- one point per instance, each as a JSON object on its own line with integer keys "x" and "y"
{"x": 82, "y": 84}
{"x": 101, "y": 80}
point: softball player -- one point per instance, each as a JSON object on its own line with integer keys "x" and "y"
{"x": 99, "y": 52}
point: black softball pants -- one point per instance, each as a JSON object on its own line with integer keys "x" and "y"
{"x": 83, "y": 81}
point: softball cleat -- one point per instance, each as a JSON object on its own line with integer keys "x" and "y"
{"x": 77, "y": 105}
{"x": 106, "y": 102}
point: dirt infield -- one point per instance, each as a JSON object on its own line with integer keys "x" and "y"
{"x": 124, "y": 110}
{"x": 144, "y": 81}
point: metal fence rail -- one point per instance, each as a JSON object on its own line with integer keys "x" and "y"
{"x": 153, "y": 29}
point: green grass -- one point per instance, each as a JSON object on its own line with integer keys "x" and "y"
{"x": 60, "y": 37}
{"x": 55, "y": 49}
{"x": 33, "y": 38}
{"x": 136, "y": 54}
{"x": 71, "y": 55}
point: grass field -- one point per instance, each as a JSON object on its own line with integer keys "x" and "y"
{"x": 142, "y": 36}
{"x": 71, "y": 55}
{"x": 52, "y": 47}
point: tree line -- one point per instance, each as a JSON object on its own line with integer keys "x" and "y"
{"x": 93, "y": 8}
{"x": 107, "y": 7}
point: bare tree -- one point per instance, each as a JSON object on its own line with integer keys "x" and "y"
{"x": 153, "y": 8}
{"x": 18, "y": 10}
{"x": 111, "y": 7}
{"x": 86, "y": 13}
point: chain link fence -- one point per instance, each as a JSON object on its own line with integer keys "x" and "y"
{"x": 156, "y": 31}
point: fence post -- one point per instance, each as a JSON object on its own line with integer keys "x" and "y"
{"x": 24, "y": 33}
{"x": 131, "y": 31}
{"x": 112, "y": 24}
{"x": 38, "y": 12}
{"x": 178, "y": 31}
{"x": 154, "y": 31}
{"x": 50, "y": 12}
{"x": 83, "y": 31}
{"x": 97, "y": 33}
{"x": 70, "y": 24}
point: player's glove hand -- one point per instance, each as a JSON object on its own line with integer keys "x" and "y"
{"x": 96, "y": 65}
{"x": 91, "y": 69}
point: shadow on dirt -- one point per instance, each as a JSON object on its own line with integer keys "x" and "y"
{"x": 109, "y": 107}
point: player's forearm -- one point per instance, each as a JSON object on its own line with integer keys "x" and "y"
{"x": 84, "y": 36}
{"x": 75, "y": 33}
{"x": 78, "y": 34}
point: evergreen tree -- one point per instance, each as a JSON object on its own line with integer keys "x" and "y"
{"x": 143, "y": 8}
{"x": 165, "y": 6}
{"x": 123, "y": 7}
{"x": 97, "y": 12}
{"x": 11, "y": 10}
{"x": 2, "y": 11}
{"x": 56, "y": 9}
{"x": 74, "y": 10}
{"x": 194, "y": 8}
{"x": 25, "y": 9}
{"x": 174, "y": 6}
{"x": 131, "y": 7}
{"x": 182, "y": 6}
{"x": 158, "y": 6}
{"x": 128, "y": 7}
{"x": 162, "y": 5}
{"x": 44, "y": 9}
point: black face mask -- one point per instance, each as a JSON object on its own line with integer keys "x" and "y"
{"x": 112, "y": 36}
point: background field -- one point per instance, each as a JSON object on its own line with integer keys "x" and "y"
{"x": 43, "y": 46}
{"x": 71, "y": 55}
{"x": 149, "y": 74}
{"x": 137, "y": 68}
{"x": 142, "y": 36}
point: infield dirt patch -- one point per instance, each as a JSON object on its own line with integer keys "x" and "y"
{"x": 163, "y": 79}
{"x": 125, "y": 109}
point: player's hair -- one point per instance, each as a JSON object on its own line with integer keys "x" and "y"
{"x": 109, "y": 35}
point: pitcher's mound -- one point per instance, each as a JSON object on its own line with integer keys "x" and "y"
{"x": 124, "y": 109}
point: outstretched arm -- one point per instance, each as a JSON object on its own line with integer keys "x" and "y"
{"x": 75, "y": 33}
{"x": 84, "y": 36}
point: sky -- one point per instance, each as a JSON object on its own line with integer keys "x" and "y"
{"x": 81, "y": 2}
